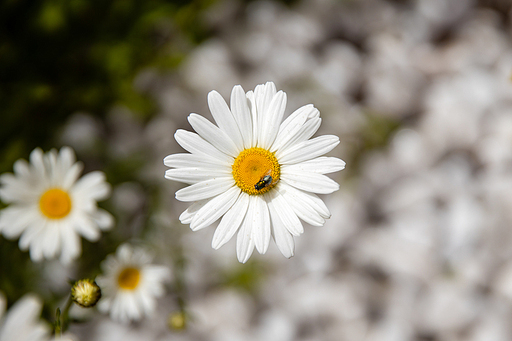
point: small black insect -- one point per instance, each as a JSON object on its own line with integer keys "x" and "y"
{"x": 265, "y": 181}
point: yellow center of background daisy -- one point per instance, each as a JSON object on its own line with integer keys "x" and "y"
{"x": 128, "y": 278}
{"x": 251, "y": 165}
{"x": 55, "y": 203}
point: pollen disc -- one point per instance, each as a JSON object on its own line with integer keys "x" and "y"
{"x": 251, "y": 165}
{"x": 55, "y": 203}
{"x": 128, "y": 278}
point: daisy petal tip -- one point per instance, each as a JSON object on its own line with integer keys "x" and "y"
{"x": 179, "y": 134}
{"x": 244, "y": 254}
{"x": 217, "y": 243}
{"x": 213, "y": 93}
{"x": 243, "y": 259}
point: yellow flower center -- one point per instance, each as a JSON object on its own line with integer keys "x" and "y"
{"x": 128, "y": 278}
{"x": 256, "y": 171}
{"x": 55, "y": 203}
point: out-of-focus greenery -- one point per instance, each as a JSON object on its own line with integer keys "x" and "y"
{"x": 58, "y": 57}
{"x": 372, "y": 135}
{"x": 62, "y": 56}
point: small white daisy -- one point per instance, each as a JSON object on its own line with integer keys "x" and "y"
{"x": 50, "y": 207}
{"x": 22, "y": 320}
{"x": 130, "y": 284}
{"x": 256, "y": 171}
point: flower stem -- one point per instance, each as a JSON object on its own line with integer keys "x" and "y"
{"x": 62, "y": 319}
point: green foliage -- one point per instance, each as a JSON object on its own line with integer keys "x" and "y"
{"x": 246, "y": 277}
{"x": 374, "y": 134}
{"x": 62, "y": 56}
{"x": 13, "y": 282}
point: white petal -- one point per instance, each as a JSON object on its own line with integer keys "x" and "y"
{"x": 288, "y": 217}
{"x": 71, "y": 176}
{"x": 263, "y": 95}
{"x": 186, "y": 160}
{"x": 231, "y": 221}
{"x": 224, "y": 118}
{"x": 302, "y": 198}
{"x": 254, "y": 116}
{"x": 16, "y": 189}
{"x": 62, "y": 168}
{"x": 195, "y": 175}
{"x": 271, "y": 120}
{"x": 54, "y": 172}
{"x": 31, "y": 233}
{"x": 242, "y": 114}
{"x": 310, "y": 182}
{"x": 321, "y": 165}
{"x": 293, "y": 123}
{"x": 51, "y": 240}
{"x": 103, "y": 219}
{"x": 86, "y": 227}
{"x": 92, "y": 185}
{"x": 244, "y": 241}
{"x": 308, "y": 150}
{"x": 36, "y": 249}
{"x": 67, "y": 157}
{"x": 71, "y": 246}
{"x": 283, "y": 238}
{"x": 205, "y": 189}
{"x": 260, "y": 224}
{"x": 21, "y": 168}
{"x": 15, "y": 219}
{"x": 214, "y": 209}
{"x": 37, "y": 160}
{"x": 189, "y": 213}
{"x": 195, "y": 144}
{"x": 214, "y": 135}
{"x": 307, "y": 130}
{"x": 306, "y": 213}
{"x": 21, "y": 322}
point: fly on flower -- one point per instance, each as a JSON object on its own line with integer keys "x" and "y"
{"x": 265, "y": 181}
{"x": 255, "y": 172}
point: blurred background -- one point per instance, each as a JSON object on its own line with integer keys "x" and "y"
{"x": 419, "y": 91}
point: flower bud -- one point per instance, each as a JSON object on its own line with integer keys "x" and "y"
{"x": 86, "y": 293}
{"x": 177, "y": 320}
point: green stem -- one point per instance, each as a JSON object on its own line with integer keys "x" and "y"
{"x": 58, "y": 328}
{"x": 65, "y": 316}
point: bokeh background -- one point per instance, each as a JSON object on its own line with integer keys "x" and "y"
{"x": 419, "y": 91}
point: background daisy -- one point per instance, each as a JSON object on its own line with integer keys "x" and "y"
{"x": 49, "y": 207}
{"x": 21, "y": 323}
{"x": 130, "y": 284}
{"x": 256, "y": 171}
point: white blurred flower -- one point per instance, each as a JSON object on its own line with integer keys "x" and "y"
{"x": 22, "y": 320}
{"x": 50, "y": 207}
{"x": 259, "y": 174}
{"x": 66, "y": 337}
{"x": 130, "y": 284}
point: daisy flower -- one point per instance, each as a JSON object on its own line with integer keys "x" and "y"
{"x": 256, "y": 172}
{"x": 130, "y": 284}
{"x": 22, "y": 320}
{"x": 50, "y": 208}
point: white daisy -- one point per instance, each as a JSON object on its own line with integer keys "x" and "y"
{"x": 257, "y": 172}
{"x": 22, "y": 320}
{"x": 50, "y": 207}
{"x": 130, "y": 284}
